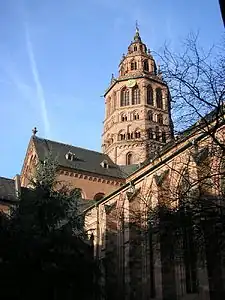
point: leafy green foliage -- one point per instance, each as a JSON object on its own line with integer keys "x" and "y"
{"x": 43, "y": 247}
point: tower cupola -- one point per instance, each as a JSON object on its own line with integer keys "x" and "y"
{"x": 137, "y": 108}
{"x": 138, "y": 60}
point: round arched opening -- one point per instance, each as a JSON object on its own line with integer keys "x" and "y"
{"x": 99, "y": 196}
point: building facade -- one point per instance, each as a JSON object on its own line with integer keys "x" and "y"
{"x": 137, "y": 108}
{"x": 139, "y": 263}
{"x": 141, "y": 166}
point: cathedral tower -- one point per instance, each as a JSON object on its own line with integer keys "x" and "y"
{"x": 137, "y": 108}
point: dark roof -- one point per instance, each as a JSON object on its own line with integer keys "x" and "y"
{"x": 7, "y": 190}
{"x": 84, "y": 204}
{"x": 129, "y": 169}
{"x": 85, "y": 160}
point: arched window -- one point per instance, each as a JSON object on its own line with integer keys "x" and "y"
{"x": 129, "y": 158}
{"x": 133, "y": 65}
{"x": 157, "y": 133}
{"x": 135, "y": 116}
{"x": 123, "y": 117}
{"x": 150, "y": 134}
{"x": 160, "y": 118}
{"x": 81, "y": 193}
{"x": 99, "y": 196}
{"x": 159, "y": 102}
{"x": 149, "y": 95}
{"x": 135, "y": 48}
{"x": 163, "y": 137}
{"x": 130, "y": 135}
{"x": 150, "y": 115}
{"x": 146, "y": 66}
{"x": 137, "y": 134}
{"x": 135, "y": 96}
{"x": 124, "y": 101}
{"x": 121, "y": 136}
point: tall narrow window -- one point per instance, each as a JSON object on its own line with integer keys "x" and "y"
{"x": 129, "y": 158}
{"x": 135, "y": 116}
{"x": 160, "y": 118}
{"x": 130, "y": 135}
{"x": 149, "y": 95}
{"x": 122, "y": 136}
{"x": 137, "y": 134}
{"x": 150, "y": 134}
{"x": 133, "y": 65}
{"x": 157, "y": 133}
{"x": 159, "y": 102}
{"x": 135, "y": 96}
{"x": 163, "y": 137}
{"x": 124, "y": 118}
{"x": 146, "y": 66}
{"x": 135, "y": 48}
{"x": 150, "y": 115}
{"x": 124, "y": 100}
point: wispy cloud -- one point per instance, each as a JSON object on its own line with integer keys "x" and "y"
{"x": 36, "y": 78}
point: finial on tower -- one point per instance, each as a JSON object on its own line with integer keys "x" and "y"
{"x": 112, "y": 78}
{"x": 34, "y": 130}
{"x": 137, "y": 27}
{"x": 137, "y": 37}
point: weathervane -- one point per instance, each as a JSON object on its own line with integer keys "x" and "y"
{"x": 137, "y": 27}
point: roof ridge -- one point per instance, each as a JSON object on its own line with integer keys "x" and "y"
{"x": 2, "y": 177}
{"x": 69, "y": 145}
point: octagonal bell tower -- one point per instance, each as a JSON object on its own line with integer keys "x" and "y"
{"x": 137, "y": 108}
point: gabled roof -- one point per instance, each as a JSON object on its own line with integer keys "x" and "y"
{"x": 84, "y": 160}
{"x": 7, "y": 190}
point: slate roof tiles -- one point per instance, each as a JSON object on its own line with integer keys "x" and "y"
{"x": 84, "y": 160}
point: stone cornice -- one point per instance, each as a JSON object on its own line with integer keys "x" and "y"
{"x": 127, "y": 77}
{"x": 127, "y": 144}
{"x": 92, "y": 177}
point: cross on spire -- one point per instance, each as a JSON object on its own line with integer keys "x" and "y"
{"x": 137, "y": 37}
{"x": 34, "y": 130}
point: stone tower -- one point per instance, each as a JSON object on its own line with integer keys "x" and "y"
{"x": 137, "y": 108}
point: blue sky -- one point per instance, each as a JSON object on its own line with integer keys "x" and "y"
{"x": 57, "y": 57}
